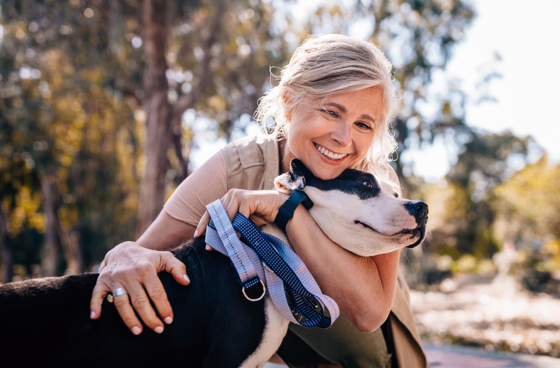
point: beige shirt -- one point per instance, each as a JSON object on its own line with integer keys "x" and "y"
{"x": 253, "y": 163}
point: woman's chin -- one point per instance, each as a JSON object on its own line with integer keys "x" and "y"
{"x": 326, "y": 173}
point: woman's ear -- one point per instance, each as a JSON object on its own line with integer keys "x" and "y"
{"x": 286, "y": 103}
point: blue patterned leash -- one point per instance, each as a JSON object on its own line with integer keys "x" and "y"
{"x": 293, "y": 290}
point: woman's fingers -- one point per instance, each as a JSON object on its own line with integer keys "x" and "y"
{"x": 136, "y": 274}
{"x": 140, "y": 301}
{"x": 175, "y": 268}
{"x": 122, "y": 303}
{"x": 260, "y": 206}
{"x": 102, "y": 265}
{"x": 99, "y": 292}
{"x": 201, "y": 228}
{"x": 157, "y": 294}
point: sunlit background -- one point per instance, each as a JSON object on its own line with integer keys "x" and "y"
{"x": 477, "y": 130}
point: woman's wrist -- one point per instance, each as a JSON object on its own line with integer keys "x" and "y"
{"x": 286, "y": 210}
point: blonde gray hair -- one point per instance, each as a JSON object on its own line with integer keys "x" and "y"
{"x": 326, "y": 65}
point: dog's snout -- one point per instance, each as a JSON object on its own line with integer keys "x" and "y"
{"x": 417, "y": 209}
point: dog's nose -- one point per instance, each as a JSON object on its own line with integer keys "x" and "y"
{"x": 417, "y": 209}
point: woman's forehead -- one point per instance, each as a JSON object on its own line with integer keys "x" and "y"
{"x": 365, "y": 101}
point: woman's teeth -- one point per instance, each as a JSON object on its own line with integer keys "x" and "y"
{"x": 329, "y": 154}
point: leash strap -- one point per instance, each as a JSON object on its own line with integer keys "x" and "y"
{"x": 234, "y": 249}
{"x": 291, "y": 286}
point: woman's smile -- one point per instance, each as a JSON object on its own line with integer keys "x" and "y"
{"x": 329, "y": 154}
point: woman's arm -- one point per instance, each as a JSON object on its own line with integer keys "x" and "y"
{"x": 133, "y": 266}
{"x": 363, "y": 287}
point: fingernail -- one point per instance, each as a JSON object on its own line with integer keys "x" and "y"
{"x": 195, "y": 233}
{"x": 208, "y": 247}
{"x": 186, "y": 277}
{"x": 158, "y": 329}
{"x": 136, "y": 330}
{"x": 168, "y": 320}
{"x": 92, "y": 315}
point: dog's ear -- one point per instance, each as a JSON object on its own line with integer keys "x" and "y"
{"x": 298, "y": 168}
{"x": 295, "y": 179}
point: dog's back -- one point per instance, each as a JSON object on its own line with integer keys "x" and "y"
{"x": 46, "y": 321}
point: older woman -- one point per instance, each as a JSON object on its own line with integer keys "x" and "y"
{"x": 330, "y": 110}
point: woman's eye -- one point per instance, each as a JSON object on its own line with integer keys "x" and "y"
{"x": 363, "y": 126}
{"x": 367, "y": 183}
{"x": 334, "y": 114}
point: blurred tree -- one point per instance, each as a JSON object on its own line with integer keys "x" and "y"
{"x": 73, "y": 79}
{"x": 527, "y": 207}
{"x": 216, "y": 67}
{"x": 465, "y": 215}
{"x": 60, "y": 108}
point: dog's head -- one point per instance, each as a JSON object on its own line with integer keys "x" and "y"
{"x": 360, "y": 213}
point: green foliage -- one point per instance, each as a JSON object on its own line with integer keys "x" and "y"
{"x": 71, "y": 95}
{"x": 461, "y": 206}
{"x": 71, "y": 98}
{"x": 527, "y": 205}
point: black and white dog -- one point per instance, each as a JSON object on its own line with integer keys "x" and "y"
{"x": 45, "y": 322}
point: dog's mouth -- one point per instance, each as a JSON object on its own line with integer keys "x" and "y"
{"x": 419, "y": 232}
{"x": 369, "y": 227}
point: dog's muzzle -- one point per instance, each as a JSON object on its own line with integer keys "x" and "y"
{"x": 420, "y": 212}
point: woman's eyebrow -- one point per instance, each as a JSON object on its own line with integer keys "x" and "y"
{"x": 343, "y": 109}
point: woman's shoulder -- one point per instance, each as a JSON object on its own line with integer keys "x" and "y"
{"x": 250, "y": 151}
{"x": 251, "y": 162}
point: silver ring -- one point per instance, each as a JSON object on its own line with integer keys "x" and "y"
{"x": 119, "y": 292}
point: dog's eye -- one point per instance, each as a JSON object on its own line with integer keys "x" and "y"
{"x": 367, "y": 184}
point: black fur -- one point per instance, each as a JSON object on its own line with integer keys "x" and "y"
{"x": 355, "y": 182}
{"x": 45, "y": 322}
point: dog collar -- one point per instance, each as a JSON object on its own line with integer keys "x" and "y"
{"x": 286, "y": 211}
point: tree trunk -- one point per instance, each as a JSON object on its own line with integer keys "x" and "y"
{"x": 7, "y": 254}
{"x": 187, "y": 101}
{"x": 183, "y": 152}
{"x": 158, "y": 114}
{"x": 71, "y": 247}
{"x": 49, "y": 188}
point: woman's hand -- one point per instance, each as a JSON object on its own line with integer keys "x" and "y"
{"x": 134, "y": 269}
{"x": 260, "y": 206}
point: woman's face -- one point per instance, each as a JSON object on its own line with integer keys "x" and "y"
{"x": 331, "y": 138}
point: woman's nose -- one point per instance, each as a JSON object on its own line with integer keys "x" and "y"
{"x": 341, "y": 134}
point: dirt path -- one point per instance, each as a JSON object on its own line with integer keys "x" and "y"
{"x": 492, "y": 312}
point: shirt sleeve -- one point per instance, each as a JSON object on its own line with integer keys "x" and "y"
{"x": 204, "y": 186}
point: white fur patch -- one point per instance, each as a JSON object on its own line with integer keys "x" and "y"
{"x": 337, "y": 212}
{"x": 274, "y": 331}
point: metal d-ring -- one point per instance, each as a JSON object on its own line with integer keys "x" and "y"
{"x": 260, "y": 297}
